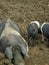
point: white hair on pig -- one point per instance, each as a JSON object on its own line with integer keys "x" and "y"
{"x": 36, "y": 23}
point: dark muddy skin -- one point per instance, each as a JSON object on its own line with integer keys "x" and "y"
{"x": 32, "y": 32}
{"x": 45, "y": 32}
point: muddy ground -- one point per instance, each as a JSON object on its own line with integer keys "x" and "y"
{"x": 23, "y": 12}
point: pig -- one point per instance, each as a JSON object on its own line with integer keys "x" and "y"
{"x": 12, "y": 42}
{"x": 32, "y": 30}
{"x": 45, "y": 31}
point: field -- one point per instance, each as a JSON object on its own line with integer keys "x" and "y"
{"x": 23, "y": 12}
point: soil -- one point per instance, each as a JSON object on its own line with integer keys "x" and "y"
{"x": 23, "y": 12}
